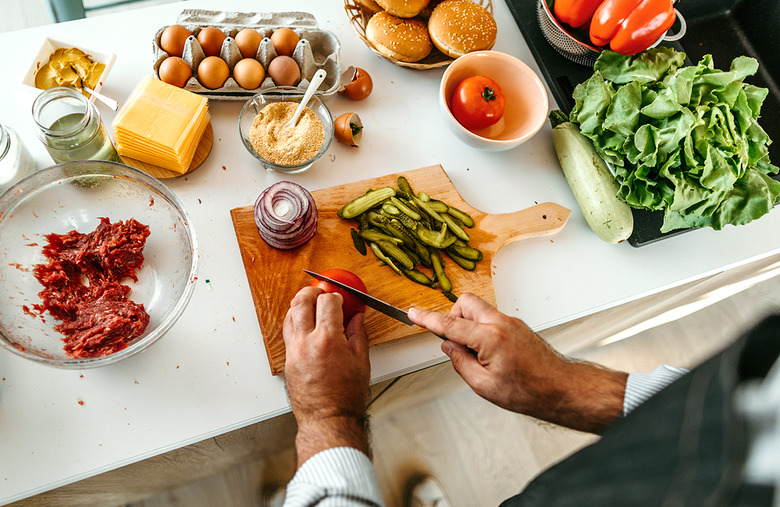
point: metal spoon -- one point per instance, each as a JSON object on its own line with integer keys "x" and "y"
{"x": 315, "y": 83}
{"x": 102, "y": 98}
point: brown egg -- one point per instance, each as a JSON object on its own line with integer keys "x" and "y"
{"x": 284, "y": 41}
{"x": 248, "y": 40}
{"x": 213, "y": 72}
{"x": 348, "y": 129}
{"x": 174, "y": 70}
{"x": 284, "y": 71}
{"x": 173, "y": 38}
{"x": 248, "y": 73}
{"x": 357, "y": 83}
{"x": 211, "y": 39}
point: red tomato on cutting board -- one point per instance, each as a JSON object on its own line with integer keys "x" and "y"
{"x": 351, "y": 305}
{"x": 477, "y": 102}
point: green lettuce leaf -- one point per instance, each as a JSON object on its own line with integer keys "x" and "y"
{"x": 684, "y": 139}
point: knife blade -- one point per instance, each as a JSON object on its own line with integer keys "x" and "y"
{"x": 368, "y": 300}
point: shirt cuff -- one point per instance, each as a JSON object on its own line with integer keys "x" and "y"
{"x": 642, "y": 386}
{"x": 340, "y": 475}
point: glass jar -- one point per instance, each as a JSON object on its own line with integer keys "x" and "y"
{"x": 15, "y": 160}
{"x": 70, "y": 128}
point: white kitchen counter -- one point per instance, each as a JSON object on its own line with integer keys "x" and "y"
{"x": 209, "y": 374}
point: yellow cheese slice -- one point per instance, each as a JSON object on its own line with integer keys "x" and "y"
{"x": 161, "y": 124}
{"x": 155, "y": 144}
{"x": 169, "y": 161}
{"x": 141, "y": 147}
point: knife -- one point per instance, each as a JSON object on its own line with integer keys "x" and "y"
{"x": 376, "y": 304}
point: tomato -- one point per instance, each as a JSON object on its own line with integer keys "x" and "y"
{"x": 478, "y": 102}
{"x": 351, "y": 305}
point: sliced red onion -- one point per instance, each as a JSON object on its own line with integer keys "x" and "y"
{"x": 286, "y": 215}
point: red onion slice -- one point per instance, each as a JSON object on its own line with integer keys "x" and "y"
{"x": 286, "y": 215}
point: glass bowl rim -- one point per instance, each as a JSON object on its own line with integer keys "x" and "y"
{"x": 283, "y": 92}
{"x": 15, "y": 195}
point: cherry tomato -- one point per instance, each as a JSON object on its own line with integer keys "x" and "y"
{"x": 351, "y": 305}
{"x": 478, "y": 102}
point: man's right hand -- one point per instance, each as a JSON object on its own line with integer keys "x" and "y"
{"x": 506, "y": 363}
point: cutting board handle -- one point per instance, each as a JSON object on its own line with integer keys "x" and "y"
{"x": 538, "y": 220}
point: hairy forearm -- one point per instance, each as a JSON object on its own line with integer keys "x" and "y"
{"x": 587, "y": 397}
{"x": 337, "y": 430}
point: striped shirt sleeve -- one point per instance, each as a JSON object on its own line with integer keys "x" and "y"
{"x": 339, "y": 476}
{"x": 642, "y": 386}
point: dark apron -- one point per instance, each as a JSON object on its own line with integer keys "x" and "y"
{"x": 684, "y": 446}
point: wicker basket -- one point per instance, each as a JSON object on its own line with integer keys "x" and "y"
{"x": 359, "y": 19}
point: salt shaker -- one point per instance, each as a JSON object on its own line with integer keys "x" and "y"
{"x": 15, "y": 160}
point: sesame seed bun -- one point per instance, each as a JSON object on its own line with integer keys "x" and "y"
{"x": 403, "y": 8}
{"x": 458, "y": 27}
{"x": 402, "y": 39}
{"x": 426, "y": 13}
{"x": 370, "y": 6}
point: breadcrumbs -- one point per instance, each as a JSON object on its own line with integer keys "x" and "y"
{"x": 286, "y": 146}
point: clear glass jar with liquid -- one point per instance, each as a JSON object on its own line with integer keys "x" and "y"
{"x": 15, "y": 161}
{"x": 70, "y": 128}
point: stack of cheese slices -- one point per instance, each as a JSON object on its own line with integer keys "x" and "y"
{"x": 161, "y": 124}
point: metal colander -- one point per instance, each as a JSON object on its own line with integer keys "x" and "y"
{"x": 573, "y": 48}
{"x": 563, "y": 42}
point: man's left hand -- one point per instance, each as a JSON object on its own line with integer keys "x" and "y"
{"x": 327, "y": 373}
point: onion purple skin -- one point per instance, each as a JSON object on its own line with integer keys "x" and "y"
{"x": 297, "y": 226}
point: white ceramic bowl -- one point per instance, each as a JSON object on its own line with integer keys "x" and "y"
{"x": 48, "y": 47}
{"x": 72, "y": 196}
{"x": 526, "y": 100}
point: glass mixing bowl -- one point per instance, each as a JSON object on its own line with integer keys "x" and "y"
{"x": 72, "y": 196}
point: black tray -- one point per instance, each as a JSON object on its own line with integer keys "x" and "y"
{"x": 725, "y": 29}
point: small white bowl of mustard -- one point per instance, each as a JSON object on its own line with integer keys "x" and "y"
{"x": 60, "y": 49}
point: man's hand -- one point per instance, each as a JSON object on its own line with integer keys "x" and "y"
{"x": 509, "y": 365}
{"x": 327, "y": 373}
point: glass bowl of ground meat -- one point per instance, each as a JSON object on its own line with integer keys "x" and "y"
{"x": 289, "y": 150}
{"x": 97, "y": 262}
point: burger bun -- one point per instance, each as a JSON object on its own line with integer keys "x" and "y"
{"x": 457, "y": 27}
{"x": 403, "y": 8}
{"x": 402, "y": 39}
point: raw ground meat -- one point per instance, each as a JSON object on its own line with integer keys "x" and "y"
{"x": 97, "y": 317}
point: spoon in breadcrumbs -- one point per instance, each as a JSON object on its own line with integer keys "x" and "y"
{"x": 315, "y": 83}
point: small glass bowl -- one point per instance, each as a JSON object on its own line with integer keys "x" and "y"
{"x": 72, "y": 196}
{"x": 284, "y": 94}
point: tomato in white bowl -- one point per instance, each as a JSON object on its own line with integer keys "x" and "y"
{"x": 526, "y": 105}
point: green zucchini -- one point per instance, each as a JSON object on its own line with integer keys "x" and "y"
{"x": 593, "y": 185}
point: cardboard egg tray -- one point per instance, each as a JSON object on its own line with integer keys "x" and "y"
{"x": 317, "y": 49}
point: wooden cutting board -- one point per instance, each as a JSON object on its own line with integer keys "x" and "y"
{"x": 275, "y": 276}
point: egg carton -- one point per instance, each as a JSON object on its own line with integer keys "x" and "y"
{"x": 317, "y": 49}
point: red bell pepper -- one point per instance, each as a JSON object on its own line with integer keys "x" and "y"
{"x": 631, "y": 26}
{"x": 575, "y": 13}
